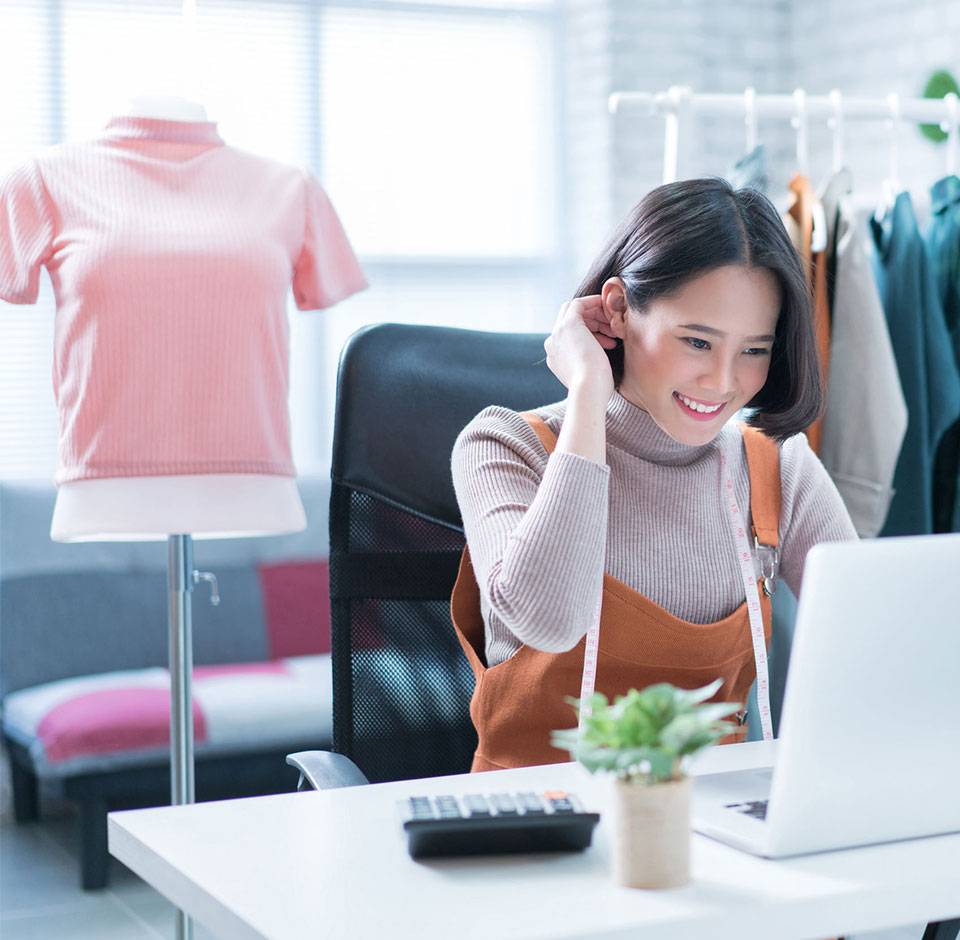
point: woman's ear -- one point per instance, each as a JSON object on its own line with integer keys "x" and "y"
{"x": 613, "y": 295}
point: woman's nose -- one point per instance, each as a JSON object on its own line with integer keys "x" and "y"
{"x": 720, "y": 378}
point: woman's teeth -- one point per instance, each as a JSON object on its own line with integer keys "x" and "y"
{"x": 696, "y": 406}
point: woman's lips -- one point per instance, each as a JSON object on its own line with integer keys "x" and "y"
{"x": 699, "y": 415}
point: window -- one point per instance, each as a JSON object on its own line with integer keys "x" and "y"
{"x": 431, "y": 124}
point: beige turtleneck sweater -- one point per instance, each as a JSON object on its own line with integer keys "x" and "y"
{"x": 542, "y": 530}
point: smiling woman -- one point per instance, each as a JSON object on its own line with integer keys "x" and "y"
{"x": 695, "y": 309}
{"x": 701, "y": 252}
{"x": 680, "y": 371}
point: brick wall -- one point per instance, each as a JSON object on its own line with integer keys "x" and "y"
{"x": 863, "y": 47}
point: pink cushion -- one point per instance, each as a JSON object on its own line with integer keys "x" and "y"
{"x": 296, "y": 601}
{"x": 85, "y": 722}
{"x": 111, "y": 720}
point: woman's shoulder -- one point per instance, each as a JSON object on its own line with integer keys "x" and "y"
{"x": 799, "y": 466}
{"x": 801, "y": 471}
{"x": 794, "y": 450}
{"x": 796, "y": 453}
{"x": 504, "y": 425}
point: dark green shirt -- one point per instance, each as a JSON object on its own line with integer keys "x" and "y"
{"x": 943, "y": 247}
{"x": 928, "y": 371}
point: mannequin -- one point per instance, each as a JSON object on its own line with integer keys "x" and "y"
{"x": 213, "y": 505}
{"x": 171, "y": 255}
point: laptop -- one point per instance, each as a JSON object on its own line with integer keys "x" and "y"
{"x": 869, "y": 743}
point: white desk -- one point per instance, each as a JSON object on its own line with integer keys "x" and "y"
{"x": 334, "y": 864}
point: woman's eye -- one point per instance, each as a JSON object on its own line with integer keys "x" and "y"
{"x": 697, "y": 343}
{"x": 757, "y": 351}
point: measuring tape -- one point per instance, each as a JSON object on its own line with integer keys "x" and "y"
{"x": 590, "y": 663}
{"x": 752, "y": 593}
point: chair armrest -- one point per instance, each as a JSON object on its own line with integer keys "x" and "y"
{"x": 326, "y": 770}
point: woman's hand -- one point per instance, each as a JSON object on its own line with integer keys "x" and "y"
{"x": 575, "y": 348}
{"x": 575, "y": 355}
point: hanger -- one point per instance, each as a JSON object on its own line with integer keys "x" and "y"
{"x": 891, "y": 185}
{"x": 801, "y": 125}
{"x": 818, "y": 240}
{"x": 835, "y": 123}
{"x": 675, "y": 144}
{"x": 750, "y": 117}
{"x": 953, "y": 115}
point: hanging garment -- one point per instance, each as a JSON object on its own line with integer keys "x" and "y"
{"x": 866, "y": 416}
{"x": 517, "y": 703}
{"x": 750, "y": 170}
{"x": 171, "y": 255}
{"x": 943, "y": 246}
{"x": 800, "y": 225}
{"x": 928, "y": 373}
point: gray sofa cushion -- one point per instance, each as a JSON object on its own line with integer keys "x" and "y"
{"x": 69, "y": 624}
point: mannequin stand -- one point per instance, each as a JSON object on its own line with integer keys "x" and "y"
{"x": 181, "y": 579}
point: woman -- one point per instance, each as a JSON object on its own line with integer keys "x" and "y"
{"x": 697, "y": 307}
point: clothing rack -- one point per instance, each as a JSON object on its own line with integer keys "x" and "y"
{"x": 679, "y": 105}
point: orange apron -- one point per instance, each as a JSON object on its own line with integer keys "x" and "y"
{"x": 517, "y": 703}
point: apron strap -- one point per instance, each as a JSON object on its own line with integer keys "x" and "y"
{"x": 466, "y": 616}
{"x": 541, "y": 429}
{"x": 465, "y": 599}
{"x": 763, "y": 461}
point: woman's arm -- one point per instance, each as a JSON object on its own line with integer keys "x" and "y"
{"x": 812, "y": 509}
{"x": 536, "y": 527}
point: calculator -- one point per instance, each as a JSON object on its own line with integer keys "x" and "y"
{"x": 486, "y": 824}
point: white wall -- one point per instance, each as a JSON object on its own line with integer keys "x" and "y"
{"x": 862, "y": 47}
{"x": 873, "y": 47}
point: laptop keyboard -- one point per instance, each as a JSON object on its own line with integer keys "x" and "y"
{"x": 755, "y": 808}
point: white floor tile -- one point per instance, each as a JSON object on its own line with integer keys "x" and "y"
{"x": 103, "y": 921}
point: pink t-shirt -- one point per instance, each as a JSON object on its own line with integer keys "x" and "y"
{"x": 170, "y": 255}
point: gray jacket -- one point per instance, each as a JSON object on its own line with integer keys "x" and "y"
{"x": 866, "y": 414}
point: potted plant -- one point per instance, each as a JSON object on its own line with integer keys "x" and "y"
{"x": 646, "y": 738}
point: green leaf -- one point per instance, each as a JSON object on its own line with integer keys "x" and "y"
{"x": 643, "y": 734}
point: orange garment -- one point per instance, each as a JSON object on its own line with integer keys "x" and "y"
{"x": 517, "y": 703}
{"x": 816, "y": 268}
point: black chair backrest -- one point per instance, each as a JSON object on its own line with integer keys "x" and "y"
{"x": 401, "y": 684}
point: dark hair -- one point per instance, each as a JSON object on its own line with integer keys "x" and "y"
{"x": 681, "y": 230}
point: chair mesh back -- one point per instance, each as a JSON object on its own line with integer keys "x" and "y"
{"x": 402, "y": 685}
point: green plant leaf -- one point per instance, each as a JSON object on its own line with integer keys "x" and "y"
{"x": 695, "y": 696}
{"x": 643, "y": 735}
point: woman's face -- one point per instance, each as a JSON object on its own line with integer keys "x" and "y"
{"x": 694, "y": 358}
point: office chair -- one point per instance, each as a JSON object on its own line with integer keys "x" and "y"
{"x": 401, "y": 684}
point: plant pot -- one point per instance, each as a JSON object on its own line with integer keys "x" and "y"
{"x": 651, "y": 842}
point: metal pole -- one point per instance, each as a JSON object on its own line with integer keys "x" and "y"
{"x": 645, "y": 103}
{"x": 180, "y": 575}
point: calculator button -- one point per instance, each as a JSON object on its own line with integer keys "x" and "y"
{"x": 562, "y": 806}
{"x": 504, "y": 805}
{"x": 476, "y": 805}
{"x": 420, "y": 807}
{"x": 447, "y": 807}
{"x": 530, "y": 803}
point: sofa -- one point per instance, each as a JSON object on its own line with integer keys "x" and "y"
{"x": 84, "y": 685}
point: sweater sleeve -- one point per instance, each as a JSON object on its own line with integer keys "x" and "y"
{"x": 536, "y": 528}
{"x": 811, "y": 510}
{"x": 327, "y": 270}
{"x": 26, "y": 233}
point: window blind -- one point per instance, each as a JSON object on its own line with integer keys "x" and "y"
{"x": 430, "y": 124}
